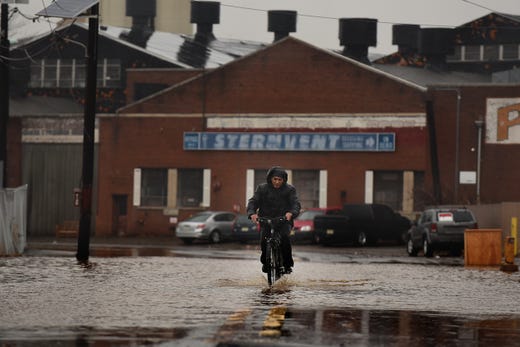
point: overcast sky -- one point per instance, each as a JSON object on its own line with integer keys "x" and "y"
{"x": 317, "y": 21}
{"x": 318, "y": 24}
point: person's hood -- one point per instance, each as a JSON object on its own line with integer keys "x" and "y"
{"x": 276, "y": 171}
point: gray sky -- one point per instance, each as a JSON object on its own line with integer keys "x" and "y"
{"x": 318, "y": 24}
{"x": 317, "y": 21}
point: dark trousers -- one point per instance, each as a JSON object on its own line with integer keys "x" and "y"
{"x": 284, "y": 230}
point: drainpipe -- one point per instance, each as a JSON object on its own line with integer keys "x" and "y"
{"x": 457, "y": 140}
{"x": 430, "y": 120}
{"x": 479, "y": 124}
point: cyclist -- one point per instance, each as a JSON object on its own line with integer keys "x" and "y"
{"x": 275, "y": 198}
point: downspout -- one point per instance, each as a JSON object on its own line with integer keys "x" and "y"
{"x": 479, "y": 124}
{"x": 457, "y": 140}
{"x": 430, "y": 119}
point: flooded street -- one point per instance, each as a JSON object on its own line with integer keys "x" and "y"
{"x": 186, "y": 299}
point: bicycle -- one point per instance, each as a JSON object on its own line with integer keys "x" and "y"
{"x": 273, "y": 253}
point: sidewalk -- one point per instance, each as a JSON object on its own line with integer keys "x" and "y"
{"x": 70, "y": 243}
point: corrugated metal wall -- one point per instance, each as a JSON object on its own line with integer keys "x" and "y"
{"x": 52, "y": 171}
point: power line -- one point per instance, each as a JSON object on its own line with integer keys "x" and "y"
{"x": 379, "y": 21}
{"x": 478, "y": 5}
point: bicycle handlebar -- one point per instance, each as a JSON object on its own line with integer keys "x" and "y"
{"x": 270, "y": 221}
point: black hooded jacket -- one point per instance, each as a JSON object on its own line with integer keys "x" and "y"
{"x": 268, "y": 201}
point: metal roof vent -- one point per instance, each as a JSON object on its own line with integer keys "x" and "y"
{"x": 205, "y": 14}
{"x": 281, "y": 22}
{"x": 406, "y": 37}
{"x": 435, "y": 44}
{"x": 143, "y": 16}
{"x": 357, "y": 34}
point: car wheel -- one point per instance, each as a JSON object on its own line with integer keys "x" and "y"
{"x": 361, "y": 239}
{"x": 187, "y": 241}
{"x": 427, "y": 248}
{"x": 214, "y": 237}
{"x": 410, "y": 249}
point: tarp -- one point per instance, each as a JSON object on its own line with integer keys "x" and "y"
{"x": 13, "y": 220}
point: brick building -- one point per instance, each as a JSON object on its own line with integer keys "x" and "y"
{"x": 346, "y": 131}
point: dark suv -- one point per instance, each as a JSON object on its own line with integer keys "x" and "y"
{"x": 440, "y": 229}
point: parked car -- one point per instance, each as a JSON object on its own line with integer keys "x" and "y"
{"x": 440, "y": 229}
{"x": 244, "y": 229}
{"x": 213, "y": 226}
{"x": 303, "y": 229}
{"x": 361, "y": 225}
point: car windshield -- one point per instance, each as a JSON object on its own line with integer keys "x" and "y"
{"x": 199, "y": 217}
{"x": 309, "y": 215}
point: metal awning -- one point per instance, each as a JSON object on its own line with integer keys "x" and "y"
{"x": 67, "y": 8}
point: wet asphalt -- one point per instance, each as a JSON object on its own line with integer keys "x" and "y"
{"x": 338, "y": 296}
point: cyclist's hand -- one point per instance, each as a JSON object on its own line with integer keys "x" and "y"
{"x": 288, "y": 216}
{"x": 254, "y": 218}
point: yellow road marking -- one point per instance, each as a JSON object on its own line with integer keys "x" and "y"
{"x": 274, "y": 321}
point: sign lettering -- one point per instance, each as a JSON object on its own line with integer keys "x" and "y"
{"x": 234, "y": 141}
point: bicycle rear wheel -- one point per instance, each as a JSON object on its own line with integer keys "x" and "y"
{"x": 272, "y": 273}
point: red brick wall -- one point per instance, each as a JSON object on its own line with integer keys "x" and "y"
{"x": 500, "y": 163}
{"x": 288, "y": 77}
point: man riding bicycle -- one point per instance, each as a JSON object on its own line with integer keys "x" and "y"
{"x": 275, "y": 198}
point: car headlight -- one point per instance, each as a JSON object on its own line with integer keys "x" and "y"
{"x": 306, "y": 228}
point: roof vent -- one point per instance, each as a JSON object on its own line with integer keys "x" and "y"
{"x": 140, "y": 8}
{"x": 143, "y": 15}
{"x": 205, "y": 14}
{"x": 357, "y": 34}
{"x": 435, "y": 44}
{"x": 281, "y": 22}
{"x": 406, "y": 37}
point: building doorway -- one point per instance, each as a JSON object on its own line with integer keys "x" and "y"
{"x": 119, "y": 214}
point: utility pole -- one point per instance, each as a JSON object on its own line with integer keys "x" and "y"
{"x": 4, "y": 92}
{"x": 89, "y": 124}
{"x": 72, "y": 9}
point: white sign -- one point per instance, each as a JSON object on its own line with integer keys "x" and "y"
{"x": 468, "y": 177}
{"x": 503, "y": 120}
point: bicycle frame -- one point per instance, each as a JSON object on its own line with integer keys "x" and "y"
{"x": 274, "y": 259}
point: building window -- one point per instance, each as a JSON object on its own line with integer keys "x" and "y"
{"x": 307, "y": 183}
{"x": 457, "y": 54}
{"x": 190, "y": 187}
{"x": 491, "y": 52}
{"x": 154, "y": 187}
{"x": 260, "y": 177}
{"x": 472, "y": 53}
{"x": 71, "y": 73}
{"x": 510, "y": 51}
{"x": 109, "y": 73}
{"x": 388, "y": 189}
{"x": 420, "y": 198}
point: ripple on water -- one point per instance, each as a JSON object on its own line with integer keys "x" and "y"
{"x": 42, "y": 292}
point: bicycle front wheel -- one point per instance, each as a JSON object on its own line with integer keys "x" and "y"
{"x": 272, "y": 273}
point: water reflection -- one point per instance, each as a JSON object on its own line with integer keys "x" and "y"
{"x": 209, "y": 301}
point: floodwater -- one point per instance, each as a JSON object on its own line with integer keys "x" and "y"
{"x": 191, "y": 301}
